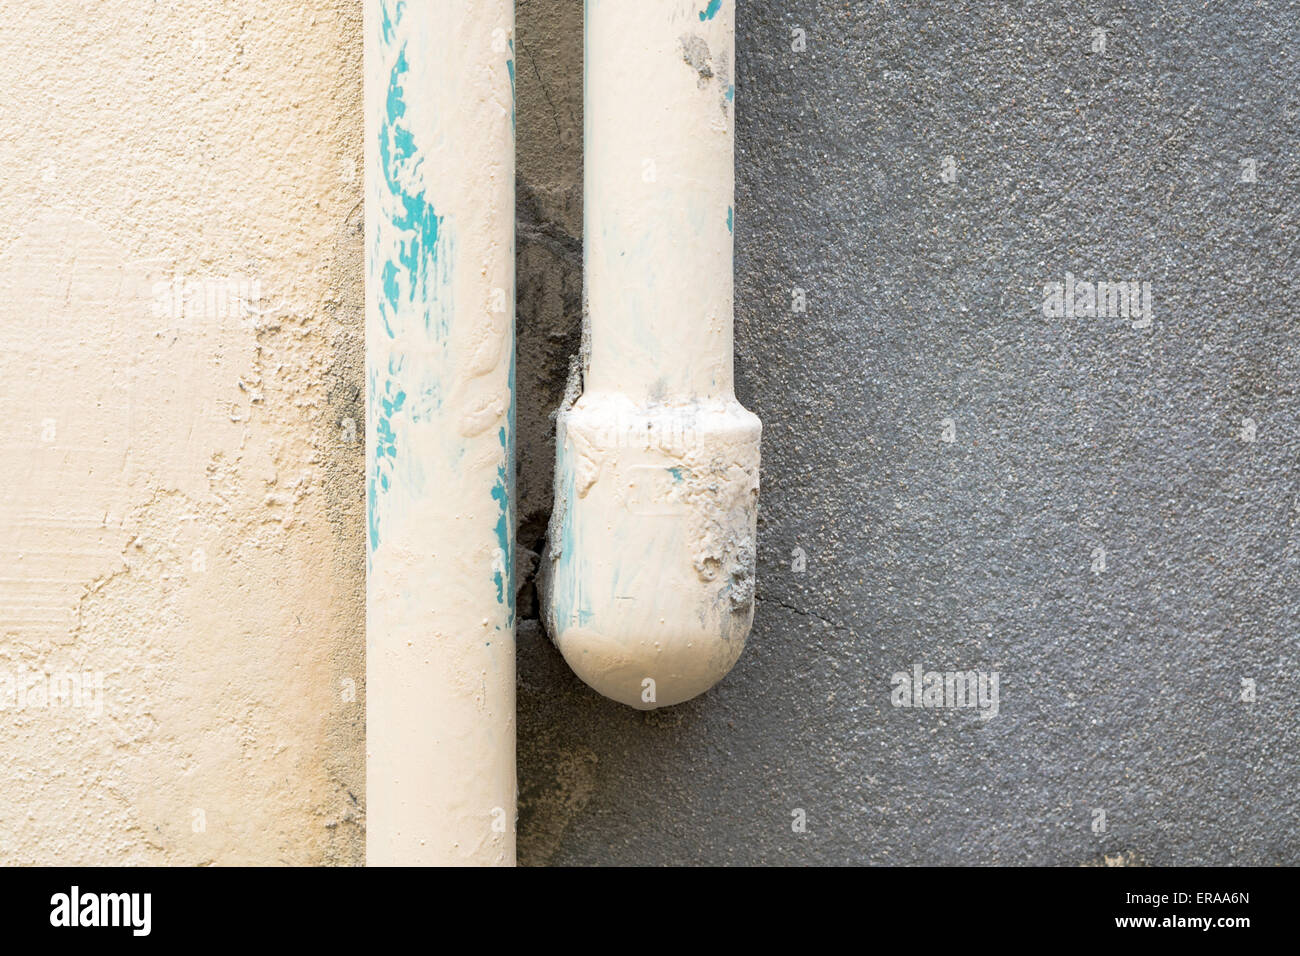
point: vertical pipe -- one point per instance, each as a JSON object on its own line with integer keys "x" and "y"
{"x": 649, "y": 583}
{"x": 440, "y": 652}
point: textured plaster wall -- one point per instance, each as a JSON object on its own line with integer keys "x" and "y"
{"x": 1121, "y": 687}
{"x": 180, "y": 352}
{"x": 182, "y": 497}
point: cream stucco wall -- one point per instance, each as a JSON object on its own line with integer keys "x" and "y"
{"x": 180, "y": 528}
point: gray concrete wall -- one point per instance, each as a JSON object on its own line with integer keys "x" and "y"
{"x": 1173, "y": 449}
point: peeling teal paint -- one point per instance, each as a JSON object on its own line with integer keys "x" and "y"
{"x": 412, "y": 252}
{"x": 372, "y": 491}
{"x": 419, "y": 226}
{"x": 711, "y": 10}
{"x": 510, "y": 65}
{"x": 503, "y": 492}
{"x": 730, "y": 218}
{"x": 372, "y": 516}
{"x": 570, "y": 607}
{"x": 731, "y": 92}
{"x": 410, "y": 256}
{"x": 384, "y": 450}
{"x": 386, "y": 21}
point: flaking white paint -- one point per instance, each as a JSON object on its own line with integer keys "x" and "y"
{"x": 439, "y": 353}
{"x": 648, "y": 584}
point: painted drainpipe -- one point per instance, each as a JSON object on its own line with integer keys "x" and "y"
{"x": 440, "y": 650}
{"x": 648, "y": 586}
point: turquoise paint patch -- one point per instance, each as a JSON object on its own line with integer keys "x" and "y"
{"x": 711, "y": 10}
{"x": 372, "y": 492}
{"x": 411, "y": 253}
{"x": 383, "y": 452}
{"x": 678, "y": 473}
{"x": 417, "y": 223}
{"x": 731, "y": 93}
{"x": 503, "y": 493}
{"x": 386, "y": 20}
{"x": 571, "y": 607}
{"x": 730, "y": 218}
{"x": 372, "y": 514}
{"x": 510, "y": 65}
{"x": 389, "y": 279}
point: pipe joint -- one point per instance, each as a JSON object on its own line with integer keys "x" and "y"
{"x": 649, "y": 582}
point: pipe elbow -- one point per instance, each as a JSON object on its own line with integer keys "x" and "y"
{"x": 648, "y": 583}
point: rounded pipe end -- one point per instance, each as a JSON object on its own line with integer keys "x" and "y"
{"x": 656, "y": 669}
{"x": 648, "y": 583}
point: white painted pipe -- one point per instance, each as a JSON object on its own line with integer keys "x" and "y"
{"x": 648, "y": 585}
{"x": 440, "y": 650}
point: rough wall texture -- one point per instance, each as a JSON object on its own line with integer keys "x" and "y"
{"x": 183, "y": 480}
{"x": 180, "y": 315}
{"x": 1106, "y": 516}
